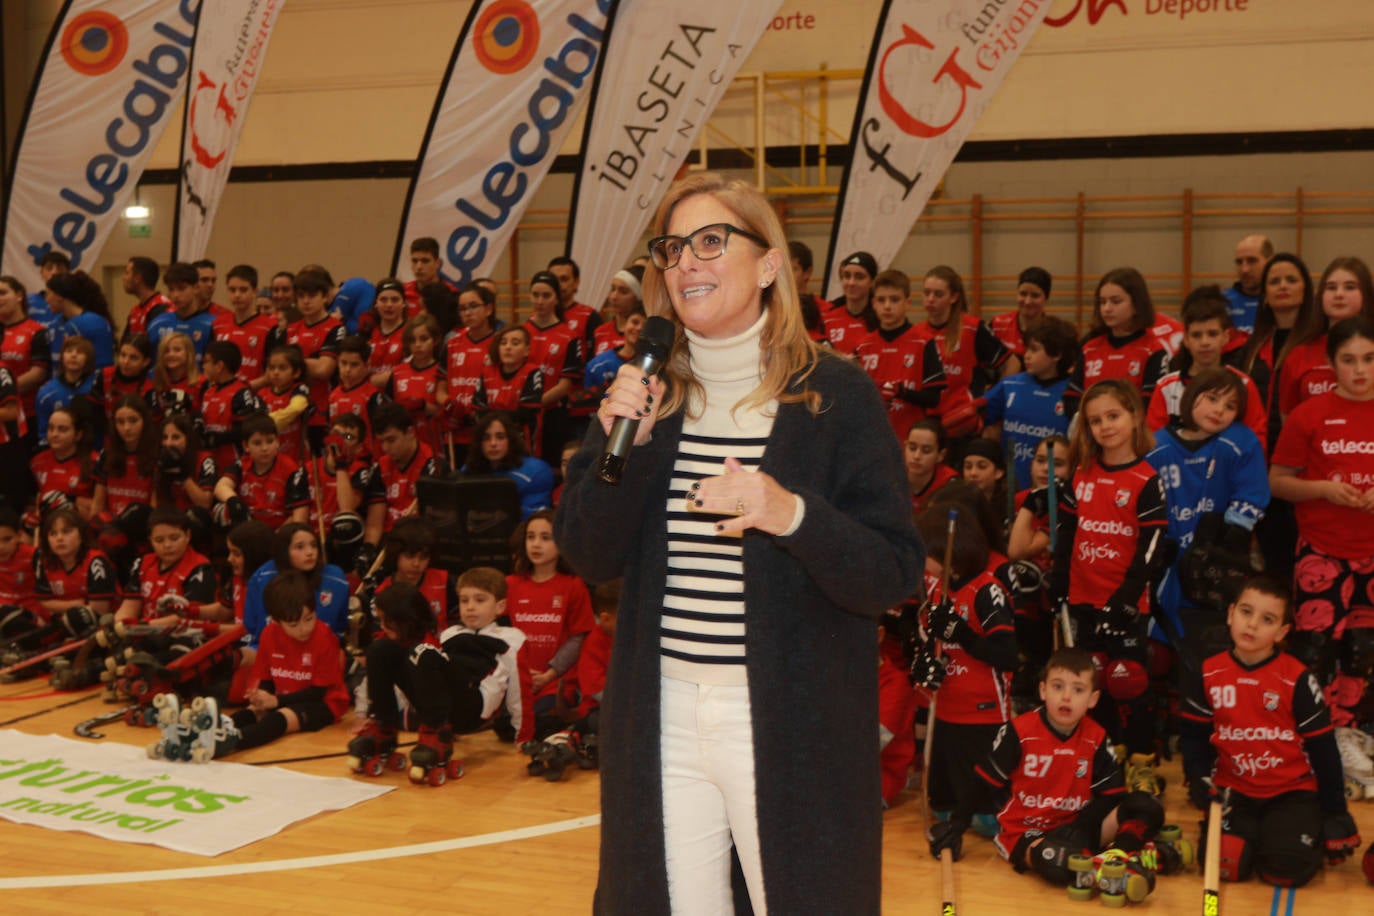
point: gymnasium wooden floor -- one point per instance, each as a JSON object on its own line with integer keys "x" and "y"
{"x": 547, "y": 867}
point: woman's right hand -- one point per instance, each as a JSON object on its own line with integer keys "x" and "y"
{"x": 634, "y": 395}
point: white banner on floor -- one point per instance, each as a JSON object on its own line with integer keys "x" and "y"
{"x": 231, "y": 44}
{"x": 114, "y": 791}
{"x": 932, "y": 69}
{"x": 667, "y": 66}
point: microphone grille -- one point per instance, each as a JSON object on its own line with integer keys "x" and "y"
{"x": 656, "y": 339}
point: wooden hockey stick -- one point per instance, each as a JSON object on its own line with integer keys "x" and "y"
{"x": 1065, "y": 625}
{"x": 946, "y": 856}
{"x": 947, "y": 906}
{"x": 1211, "y": 871}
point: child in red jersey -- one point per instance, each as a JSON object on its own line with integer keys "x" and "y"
{"x": 1064, "y": 790}
{"x": 466, "y": 356}
{"x": 1344, "y": 291}
{"x": 456, "y": 681}
{"x": 297, "y": 684}
{"x": 19, "y": 607}
{"x": 317, "y": 333}
{"x": 511, "y": 380}
{"x": 1032, "y": 295}
{"x": 985, "y": 466}
{"x": 902, "y": 363}
{"x": 176, "y": 376}
{"x": 1110, "y": 544}
{"x": 341, "y": 475}
{"x": 1323, "y": 463}
{"x": 1255, "y": 726}
{"x": 263, "y": 484}
{"x": 418, "y": 384}
{"x": 967, "y": 658}
{"x": 355, "y": 393}
{"x": 186, "y": 474}
{"x": 69, "y": 572}
{"x": 169, "y": 585}
{"x": 583, "y": 686}
{"x": 386, "y": 343}
{"x": 225, "y": 399}
{"x": 1120, "y": 345}
{"x": 411, "y": 546}
{"x": 128, "y": 375}
{"x": 64, "y": 470}
{"x": 124, "y": 475}
{"x": 392, "y": 484}
{"x": 926, "y": 470}
{"x": 549, "y": 605}
{"x": 248, "y": 547}
{"x": 24, "y": 346}
{"x": 556, "y": 344}
{"x": 897, "y": 708}
{"x": 249, "y": 331}
{"x": 286, "y": 398}
{"x": 966, "y": 347}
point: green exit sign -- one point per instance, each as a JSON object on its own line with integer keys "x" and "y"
{"x": 140, "y": 231}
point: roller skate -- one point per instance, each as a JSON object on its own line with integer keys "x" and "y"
{"x": 373, "y": 750}
{"x": 1356, "y": 749}
{"x": 177, "y": 734}
{"x": 1141, "y": 776}
{"x": 1122, "y": 877}
{"x": 432, "y": 760}
{"x": 550, "y": 757}
{"x": 1169, "y": 853}
{"x": 214, "y": 734}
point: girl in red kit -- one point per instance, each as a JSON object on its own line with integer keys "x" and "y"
{"x": 1028, "y": 548}
{"x": 1032, "y": 295}
{"x": 1324, "y": 465}
{"x": 418, "y": 384}
{"x": 186, "y": 473}
{"x": 1345, "y": 290}
{"x": 966, "y": 346}
{"x": 65, "y": 468}
{"x": 1120, "y": 345}
{"x": 1112, "y": 519}
{"x": 548, "y": 604}
{"x": 511, "y": 381}
{"x": 24, "y": 345}
{"x": 129, "y": 375}
{"x": 387, "y": 338}
{"x": 466, "y": 355}
{"x": 124, "y": 476}
{"x": 176, "y": 378}
{"x": 926, "y": 470}
{"x": 70, "y": 572}
{"x": 971, "y": 629}
{"x": 287, "y": 397}
{"x": 249, "y": 546}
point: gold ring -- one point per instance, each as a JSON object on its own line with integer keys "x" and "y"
{"x": 739, "y": 506}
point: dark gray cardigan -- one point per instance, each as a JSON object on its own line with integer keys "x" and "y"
{"x": 812, "y": 600}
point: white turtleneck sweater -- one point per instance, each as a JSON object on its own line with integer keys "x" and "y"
{"x": 701, "y": 635}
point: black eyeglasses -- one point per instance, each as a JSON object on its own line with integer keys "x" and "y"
{"x": 707, "y": 243}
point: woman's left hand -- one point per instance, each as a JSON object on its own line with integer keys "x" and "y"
{"x": 753, "y": 498}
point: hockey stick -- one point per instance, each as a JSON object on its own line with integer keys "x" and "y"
{"x": 947, "y": 907}
{"x": 1066, "y": 627}
{"x": 1211, "y": 872}
{"x": 316, "y": 480}
{"x": 44, "y": 656}
{"x": 86, "y": 729}
{"x": 946, "y": 856}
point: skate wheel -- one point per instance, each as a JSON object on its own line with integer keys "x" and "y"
{"x": 155, "y": 751}
{"x": 455, "y": 769}
{"x": 437, "y": 776}
{"x": 1186, "y": 853}
{"x": 553, "y": 774}
{"x": 397, "y": 762}
{"x": 162, "y": 699}
{"x": 60, "y": 664}
{"x": 417, "y": 774}
{"x": 201, "y": 755}
{"x": 131, "y": 717}
{"x": 139, "y": 688}
{"x": 535, "y": 768}
{"x": 1112, "y": 870}
{"x": 185, "y": 717}
{"x": 203, "y": 721}
{"x": 1080, "y": 893}
{"x": 198, "y": 704}
{"x": 1170, "y": 833}
{"x": 1354, "y": 791}
{"x": 149, "y": 716}
{"x": 111, "y": 663}
{"x": 1115, "y": 901}
{"x": 373, "y": 767}
{"x": 107, "y": 677}
{"x": 1080, "y": 862}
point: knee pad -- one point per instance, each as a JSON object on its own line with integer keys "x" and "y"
{"x": 1235, "y": 857}
{"x": 1161, "y": 659}
{"x": 79, "y": 621}
{"x": 14, "y": 620}
{"x": 1314, "y": 649}
{"x": 1143, "y": 807}
{"x": 1126, "y": 679}
{"x": 1050, "y": 859}
{"x": 1289, "y": 866}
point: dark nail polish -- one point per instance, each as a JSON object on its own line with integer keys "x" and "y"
{"x": 720, "y": 527}
{"x": 696, "y": 485}
{"x": 650, "y": 401}
{"x": 644, "y": 380}
{"x": 699, "y": 503}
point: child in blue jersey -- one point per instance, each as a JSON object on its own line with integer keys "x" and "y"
{"x": 74, "y": 378}
{"x": 1024, "y": 408}
{"x": 601, "y": 369}
{"x": 1216, "y": 483}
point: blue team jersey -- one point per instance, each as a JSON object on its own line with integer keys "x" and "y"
{"x": 1029, "y": 410}
{"x": 1225, "y": 473}
{"x": 601, "y": 370}
{"x": 200, "y": 327}
{"x": 41, "y": 312}
{"x": 95, "y": 329}
{"x": 1242, "y": 307}
{"x": 55, "y": 393}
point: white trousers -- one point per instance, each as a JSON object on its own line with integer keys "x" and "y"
{"x": 708, "y": 797}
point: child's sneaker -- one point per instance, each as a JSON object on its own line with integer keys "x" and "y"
{"x": 1122, "y": 877}
{"x": 1141, "y": 777}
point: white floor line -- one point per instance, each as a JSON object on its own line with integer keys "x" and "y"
{"x": 343, "y": 858}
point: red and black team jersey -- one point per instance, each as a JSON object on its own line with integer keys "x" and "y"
{"x": 976, "y": 347}
{"x": 465, "y": 360}
{"x": 360, "y": 400}
{"x": 558, "y": 351}
{"x": 1168, "y": 331}
{"x": 9, "y": 392}
{"x": 62, "y": 475}
{"x": 110, "y": 386}
{"x": 845, "y": 331}
{"x": 292, "y": 435}
{"x": 498, "y": 391}
{"x": 974, "y": 692}
{"x": 18, "y": 580}
{"x": 1006, "y": 327}
{"x": 415, "y": 304}
{"x": 1260, "y": 717}
{"x": 192, "y": 577}
{"x": 146, "y": 311}
{"x": 222, "y": 406}
{"x": 440, "y": 590}
{"x": 1105, "y": 515}
{"x": 1108, "y": 357}
{"x": 125, "y": 487}
{"x": 414, "y": 388}
{"x": 1168, "y": 396}
{"x": 1329, "y": 437}
{"x": 251, "y": 337}
{"x": 274, "y": 494}
{"x": 606, "y": 337}
{"x": 292, "y": 665}
{"x": 359, "y": 470}
{"x": 315, "y": 340}
{"x": 901, "y": 364}
{"x": 187, "y": 393}
{"x": 91, "y": 578}
{"x": 1050, "y": 777}
{"x": 549, "y": 613}
{"x": 395, "y": 485}
{"x": 943, "y": 475}
{"x": 582, "y": 320}
{"x": 24, "y": 345}
{"x": 388, "y": 349}
{"x": 206, "y": 475}
{"x": 1306, "y": 373}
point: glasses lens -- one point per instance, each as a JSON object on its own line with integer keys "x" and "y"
{"x": 666, "y": 252}
{"x": 709, "y": 242}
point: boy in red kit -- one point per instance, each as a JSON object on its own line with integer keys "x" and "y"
{"x": 245, "y": 328}
{"x": 355, "y": 392}
{"x": 263, "y": 484}
{"x": 391, "y": 486}
{"x": 582, "y": 320}
{"x": 341, "y": 474}
{"x": 905, "y": 367}
{"x": 427, "y": 268}
{"x": 225, "y": 400}
{"x": 584, "y": 684}
{"x": 386, "y": 340}
{"x": 1255, "y": 726}
{"x": 140, "y": 281}
{"x": 19, "y": 607}
{"x": 1066, "y": 796}
{"x": 298, "y": 675}
{"x": 170, "y": 584}
{"x": 411, "y": 544}
{"x": 317, "y": 333}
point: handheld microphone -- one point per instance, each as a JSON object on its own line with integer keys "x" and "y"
{"x": 651, "y": 352}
